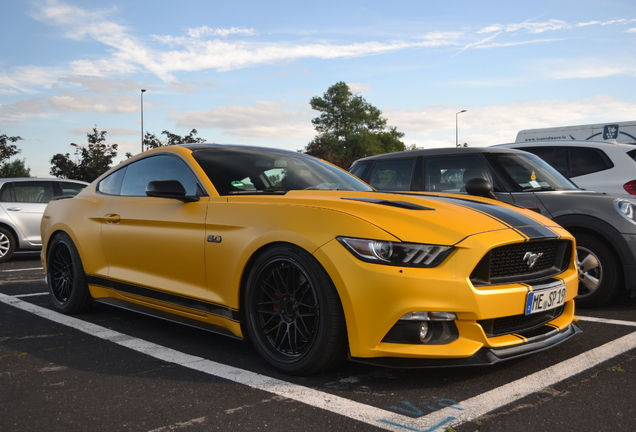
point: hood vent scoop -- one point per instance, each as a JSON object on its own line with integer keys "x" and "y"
{"x": 399, "y": 204}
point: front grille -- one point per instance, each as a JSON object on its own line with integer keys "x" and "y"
{"x": 524, "y": 325}
{"x": 512, "y": 263}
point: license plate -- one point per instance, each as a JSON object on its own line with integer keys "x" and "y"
{"x": 546, "y": 299}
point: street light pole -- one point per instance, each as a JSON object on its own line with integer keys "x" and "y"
{"x": 456, "y": 129}
{"x": 142, "y": 119}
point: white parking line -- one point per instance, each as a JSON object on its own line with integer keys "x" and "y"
{"x": 607, "y": 321}
{"x": 32, "y": 294}
{"x": 465, "y": 411}
{"x": 18, "y": 270}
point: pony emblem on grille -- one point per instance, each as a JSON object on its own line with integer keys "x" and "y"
{"x": 531, "y": 258}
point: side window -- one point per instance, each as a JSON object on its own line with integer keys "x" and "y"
{"x": 7, "y": 194}
{"x": 555, "y": 156}
{"x": 69, "y": 188}
{"x": 160, "y": 167}
{"x": 28, "y": 192}
{"x": 587, "y": 161}
{"x": 392, "y": 174}
{"x": 450, "y": 174}
{"x": 360, "y": 169}
{"x": 111, "y": 185}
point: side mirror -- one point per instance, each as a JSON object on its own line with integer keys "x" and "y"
{"x": 480, "y": 187}
{"x": 169, "y": 189}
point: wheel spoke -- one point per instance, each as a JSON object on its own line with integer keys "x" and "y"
{"x": 4, "y": 244}
{"x": 286, "y": 307}
{"x": 62, "y": 273}
{"x": 590, "y": 284}
{"x": 589, "y": 263}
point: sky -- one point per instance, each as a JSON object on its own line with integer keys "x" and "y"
{"x": 243, "y": 72}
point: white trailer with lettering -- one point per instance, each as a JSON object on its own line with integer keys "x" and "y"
{"x": 620, "y": 132}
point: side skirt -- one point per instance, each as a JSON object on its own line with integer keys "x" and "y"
{"x": 166, "y": 316}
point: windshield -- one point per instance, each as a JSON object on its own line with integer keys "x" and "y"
{"x": 236, "y": 171}
{"x": 532, "y": 173}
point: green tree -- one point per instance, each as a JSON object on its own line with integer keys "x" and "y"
{"x": 349, "y": 128}
{"x": 8, "y": 150}
{"x": 90, "y": 162}
{"x": 16, "y": 168}
{"x": 151, "y": 141}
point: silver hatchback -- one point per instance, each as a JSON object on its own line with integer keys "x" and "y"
{"x": 22, "y": 203}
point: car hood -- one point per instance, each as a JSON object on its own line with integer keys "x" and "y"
{"x": 446, "y": 218}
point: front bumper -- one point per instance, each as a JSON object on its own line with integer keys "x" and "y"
{"x": 375, "y": 297}
{"x": 485, "y": 356}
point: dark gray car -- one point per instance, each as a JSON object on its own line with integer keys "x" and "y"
{"x": 604, "y": 225}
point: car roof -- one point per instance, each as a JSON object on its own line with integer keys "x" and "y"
{"x": 237, "y": 147}
{"x": 35, "y": 179}
{"x": 453, "y": 151}
{"x": 571, "y": 143}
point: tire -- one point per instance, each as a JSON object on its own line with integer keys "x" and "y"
{"x": 599, "y": 271}
{"x": 66, "y": 278}
{"x": 7, "y": 244}
{"x": 293, "y": 313}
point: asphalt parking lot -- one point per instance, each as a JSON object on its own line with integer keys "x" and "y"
{"x": 113, "y": 370}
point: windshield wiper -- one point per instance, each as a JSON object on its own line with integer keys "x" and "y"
{"x": 266, "y": 191}
{"x": 542, "y": 188}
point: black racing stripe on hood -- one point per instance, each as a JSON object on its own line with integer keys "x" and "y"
{"x": 537, "y": 232}
{"x": 522, "y": 223}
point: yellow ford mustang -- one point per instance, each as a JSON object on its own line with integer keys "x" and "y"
{"x": 310, "y": 263}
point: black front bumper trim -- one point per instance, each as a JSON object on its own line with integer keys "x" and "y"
{"x": 485, "y": 356}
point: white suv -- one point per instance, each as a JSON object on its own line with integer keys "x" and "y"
{"x": 594, "y": 165}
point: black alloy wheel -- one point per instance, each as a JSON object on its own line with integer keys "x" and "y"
{"x": 66, "y": 278}
{"x": 293, "y": 313}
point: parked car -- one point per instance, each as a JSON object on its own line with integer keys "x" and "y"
{"x": 604, "y": 225}
{"x": 22, "y": 202}
{"x": 593, "y": 165}
{"x": 309, "y": 263}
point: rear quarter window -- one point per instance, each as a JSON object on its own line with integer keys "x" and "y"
{"x": 587, "y": 161}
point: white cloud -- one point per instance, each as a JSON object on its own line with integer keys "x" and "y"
{"x": 359, "y": 87}
{"x": 69, "y": 102}
{"x": 73, "y": 102}
{"x": 23, "y": 79}
{"x": 207, "y": 31}
{"x": 531, "y": 27}
{"x": 24, "y": 109}
{"x": 434, "y": 126}
{"x": 509, "y": 44}
{"x": 589, "y": 68}
{"x": 130, "y": 55}
{"x": 262, "y": 120}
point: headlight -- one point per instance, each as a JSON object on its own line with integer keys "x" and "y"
{"x": 626, "y": 208}
{"x": 396, "y": 253}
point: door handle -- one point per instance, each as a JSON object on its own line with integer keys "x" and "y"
{"x": 14, "y": 209}
{"x": 112, "y": 218}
